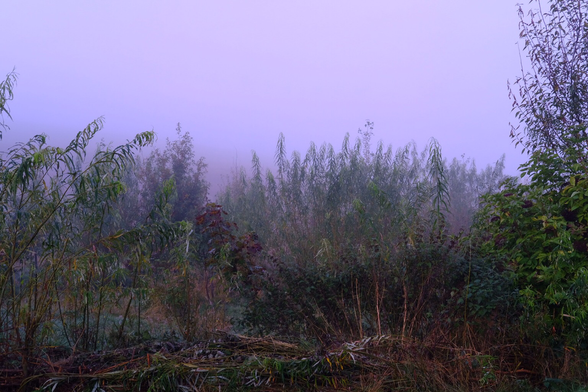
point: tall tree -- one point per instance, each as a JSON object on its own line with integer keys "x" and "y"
{"x": 178, "y": 163}
{"x": 540, "y": 228}
{"x": 550, "y": 98}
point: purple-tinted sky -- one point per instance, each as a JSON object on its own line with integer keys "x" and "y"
{"x": 237, "y": 73}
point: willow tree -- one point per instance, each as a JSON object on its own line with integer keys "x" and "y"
{"x": 63, "y": 254}
{"x": 343, "y": 231}
{"x": 6, "y": 94}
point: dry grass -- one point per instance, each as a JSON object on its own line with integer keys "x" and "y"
{"x": 235, "y": 362}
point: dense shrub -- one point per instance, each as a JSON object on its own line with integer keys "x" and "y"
{"x": 356, "y": 242}
{"x": 411, "y": 292}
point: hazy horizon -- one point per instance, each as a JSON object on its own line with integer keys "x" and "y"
{"x": 236, "y": 74}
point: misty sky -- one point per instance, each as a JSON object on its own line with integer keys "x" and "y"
{"x": 237, "y": 73}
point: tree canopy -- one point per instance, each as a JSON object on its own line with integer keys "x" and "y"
{"x": 550, "y": 98}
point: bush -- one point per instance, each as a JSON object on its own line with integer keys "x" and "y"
{"x": 411, "y": 292}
